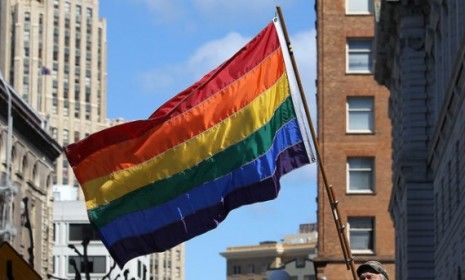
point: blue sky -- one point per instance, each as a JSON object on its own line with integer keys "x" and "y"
{"x": 156, "y": 48}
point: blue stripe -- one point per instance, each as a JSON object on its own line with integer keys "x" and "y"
{"x": 205, "y": 195}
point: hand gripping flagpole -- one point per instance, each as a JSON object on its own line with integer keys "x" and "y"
{"x": 329, "y": 189}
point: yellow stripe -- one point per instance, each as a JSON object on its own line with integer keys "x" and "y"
{"x": 189, "y": 153}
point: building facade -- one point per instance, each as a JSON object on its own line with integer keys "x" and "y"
{"x": 168, "y": 265}
{"x": 420, "y": 58}
{"x": 54, "y": 55}
{"x": 71, "y": 226}
{"x": 354, "y": 136}
{"x": 292, "y": 255}
{"x": 26, "y": 221}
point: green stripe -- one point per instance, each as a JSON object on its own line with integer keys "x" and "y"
{"x": 214, "y": 167}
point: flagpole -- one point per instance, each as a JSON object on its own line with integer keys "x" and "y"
{"x": 329, "y": 189}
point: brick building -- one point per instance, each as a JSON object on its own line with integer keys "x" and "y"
{"x": 355, "y": 139}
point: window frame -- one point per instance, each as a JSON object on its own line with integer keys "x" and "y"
{"x": 373, "y": 175}
{"x": 372, "y": 232}
{"x": 348, "y": 52}
{"x": 371, "y": 8}
{"x": 371, "y": 110}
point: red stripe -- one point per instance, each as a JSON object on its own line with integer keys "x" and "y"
{"x": 245, "y": 59}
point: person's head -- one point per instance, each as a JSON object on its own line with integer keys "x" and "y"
{"x": 372, "y": 270}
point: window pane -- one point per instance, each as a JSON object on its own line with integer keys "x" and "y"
{"x": 361, "y": 233}
{"x": 361, "y": 223}
{"x": 360, "y": 62}
{"x": 77, "y": 232}
{"x": 359, "y": 6}
{"x": 361, "y": 240}
{"x": 96, "y": 264}
{"x": 360, "y": 173}
{"x": 360, "y": 55}
{"x": 360, "y": 180}
{"x": 99, "y": 264}
{"x": 360, "y": 163}
{"x": 360, "y": 121}
{"x": 360, "y": 103}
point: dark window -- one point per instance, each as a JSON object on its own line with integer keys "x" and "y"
{"x": 96, "y": 264}
{"x": 237, "y": 269}
{"x": 77, "y": 232}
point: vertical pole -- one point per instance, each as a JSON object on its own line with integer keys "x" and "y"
{"x": 329, "y": 189}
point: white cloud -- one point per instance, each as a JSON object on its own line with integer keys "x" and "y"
{"x": 204, "y": 59}
{"x": 213, "y": 53}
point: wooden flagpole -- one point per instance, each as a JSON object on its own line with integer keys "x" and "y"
{"x": 329, "y": 189}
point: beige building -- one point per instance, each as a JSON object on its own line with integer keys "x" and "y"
{"x": 55, "y": 56}
{"x": 168, "y": 265}
{"x": 253, "y": 262}
{"x": 354, "y": 135}
{"x": 26, "y": 207}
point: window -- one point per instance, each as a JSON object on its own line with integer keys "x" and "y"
{"x": 65, "y": 137}
{"x": 64, "y": 170}
{"x": 77, "y": 136}
{"x": 361, "y": 235}
{"x": 139, "y": 269}
{"x": 35, "y": 174}
{"x": 54, "y": 232}
{"x": 24, "y": 165}
{"x": 360, "y": 175}
{"x": 251, "y": 268}
{"x": 299, "y": 263}
{"x": 359, "y": 7}
{"x": 359, "y": 56}
{"x": 360, "y": 115}
{"x": 97, "y": 264}
{"x": 77, "y": 232}
{"x": 237, "y": 269}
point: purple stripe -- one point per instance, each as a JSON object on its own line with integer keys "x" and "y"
{"x": 208, "y": 218}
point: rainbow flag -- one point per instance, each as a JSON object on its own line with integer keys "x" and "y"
{"x": 222, "y": 143}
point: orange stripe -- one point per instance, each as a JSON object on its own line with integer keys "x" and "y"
{"x": 184, "y": 126}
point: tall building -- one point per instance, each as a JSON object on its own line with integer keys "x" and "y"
{"x": 71, "y": 227}
{"x": 293, "y": 255}
{"x": 26, "y": 214}
{"x": 168, "y": 265}
{"x": 420, "y": 57}
{"x": 54, "y": 55}
{"x": 354, "y": 135}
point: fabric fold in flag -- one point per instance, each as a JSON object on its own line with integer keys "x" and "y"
{"x": 222, "y": 143}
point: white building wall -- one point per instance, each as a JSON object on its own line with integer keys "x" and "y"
{"x": 68, "y": 212}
